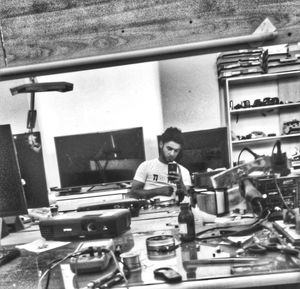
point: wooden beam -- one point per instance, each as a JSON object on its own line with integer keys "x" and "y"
{"x": 44, "y": 31}
{"x": 122, "y": 58}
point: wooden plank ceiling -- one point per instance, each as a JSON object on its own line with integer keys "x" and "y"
{"x": 40, "y": 31}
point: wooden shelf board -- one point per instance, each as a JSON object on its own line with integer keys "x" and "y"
{"x": 264, "y": 108}
{"x": 265, "y": 139}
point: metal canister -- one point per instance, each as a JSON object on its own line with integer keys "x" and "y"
{"x": 131, "y": 260}
{"x": 160, "y": 247}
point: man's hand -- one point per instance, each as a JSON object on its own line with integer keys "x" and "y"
{"x": 175, "y": 177}
{"x": 137, "y": 191}
{"x": 165, "y": 191}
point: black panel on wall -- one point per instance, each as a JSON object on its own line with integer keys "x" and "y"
{"x": 100, "y": 157}
{"x": 30, "y": 157}
{"x": 12, "y": 199}
{"x": 204, "y": 149}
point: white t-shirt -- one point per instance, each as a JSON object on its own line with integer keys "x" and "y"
{"x": 154, "y": 174}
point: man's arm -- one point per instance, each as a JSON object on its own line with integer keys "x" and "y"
{"x": 137, "y": 191}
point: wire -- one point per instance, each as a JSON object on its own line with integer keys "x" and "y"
{"x": 55, "y": 263}
{"x": 76, "y": 254}
{"x": 76, "y": 267}
{"x": 256, "y": 156}
{"x": 103, "y": 282}
{"x": 76, "y": 273}
{"x": 280, "y": 194}
{"x": 247, "y": 229}
{"x": 278, "y": 145}
{"x": 118, "y": 266}
{"x": 52, "y": 267}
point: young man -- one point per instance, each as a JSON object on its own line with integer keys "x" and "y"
{"x": 152, "y": 179}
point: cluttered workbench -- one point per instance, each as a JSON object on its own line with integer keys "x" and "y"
{"x": 219, "y": 257}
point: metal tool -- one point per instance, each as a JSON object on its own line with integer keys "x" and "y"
{"x": 225, "y": 260}
{"x": 249, "y": 268}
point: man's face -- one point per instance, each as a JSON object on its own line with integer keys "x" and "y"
{"x": 169, "y": 151}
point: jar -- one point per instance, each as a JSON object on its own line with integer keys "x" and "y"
{"x": 160, "y": 247}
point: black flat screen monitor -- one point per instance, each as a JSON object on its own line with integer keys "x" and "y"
{"x": 30, "y": 159}
{"x": 12, "y": 197}
{"x": 204, "y": 149}
{"x": 100, "y": 157}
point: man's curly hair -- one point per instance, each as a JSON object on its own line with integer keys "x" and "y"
{"x": 172, "y": 134}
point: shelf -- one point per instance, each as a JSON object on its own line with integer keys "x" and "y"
{"x": 264, "y": 108}
{"x": 284, "y": 85}
{"x": 262, "y": 77}
{"x": 265, "y": 139}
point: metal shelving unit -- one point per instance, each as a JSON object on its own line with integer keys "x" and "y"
{"x": 237, "y": 87}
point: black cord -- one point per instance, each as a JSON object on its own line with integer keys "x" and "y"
{"x": 256, "y": 156}
{"x": 278, "y": 145}
{"x": 76, "y": 273}
{"x": 248, "y": 229}
{"x": 280, "y": 194}
{"x": 127, "y": 271}
{"x": 53, "y": 264}
{"x": 48, "y": 280}
{"x": 56, "y": 262}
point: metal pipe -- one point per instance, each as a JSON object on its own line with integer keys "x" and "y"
{"x": 123, "y": 58}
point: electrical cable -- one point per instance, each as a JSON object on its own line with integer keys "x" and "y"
{"x": 48, "y": 280}
{"x": 247, "y": 229}
{"x": 56, "y": 263}
{"x": 257, "y": 206}
{"x": 256, "y": 156}
{"x": 114, "y": 276}
{"x": 280, "y": 194}
{"x": 51, "y": 268}
{"x": 118, "y": 266}
{"x": 76, "y": 273}
{"x": 278, "y": 145}
{"x": 76, "y": 267}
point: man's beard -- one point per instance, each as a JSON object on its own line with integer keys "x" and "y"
{"x": 166, "y": 159}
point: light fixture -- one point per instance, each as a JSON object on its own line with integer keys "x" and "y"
{"x": 32, "y": 88}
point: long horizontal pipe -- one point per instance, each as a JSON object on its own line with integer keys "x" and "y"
{"x": 122, "y": 58}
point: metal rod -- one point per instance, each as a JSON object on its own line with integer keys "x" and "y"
{"x": 32, "y": 99}
{"x": 225, "y": 260}
{"x": 153, "y": 54}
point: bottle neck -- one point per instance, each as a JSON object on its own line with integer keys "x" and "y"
{"x": 184, "y": 207}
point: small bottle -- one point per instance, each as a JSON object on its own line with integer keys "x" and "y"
{"x": 186, "y": 223}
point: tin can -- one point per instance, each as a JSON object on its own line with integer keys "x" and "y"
{"x": 131, "y": 261}
{"x": 160, "y": 247}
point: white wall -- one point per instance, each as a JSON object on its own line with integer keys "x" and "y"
{"x": 180, "y": 92}
{"x": 190, "y": 93}
{"x": 102, "y": 100}
{"x": 14, "y": 108}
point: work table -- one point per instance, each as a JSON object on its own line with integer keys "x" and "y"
{"x": 24, "y": 271}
